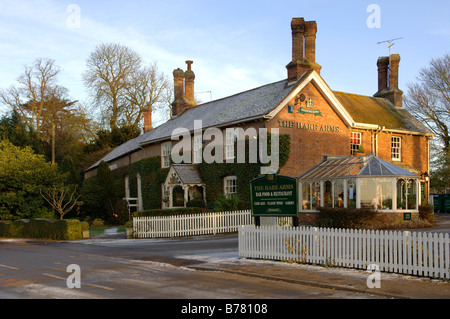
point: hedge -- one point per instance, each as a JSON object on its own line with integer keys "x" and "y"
{"x": 344, "y": 217}
{"x": 43, "y": 229}
{"x": 171, "y": 212}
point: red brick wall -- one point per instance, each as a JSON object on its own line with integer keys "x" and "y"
{"x": 310, "y": 144}
{"x": 414, "y": 150}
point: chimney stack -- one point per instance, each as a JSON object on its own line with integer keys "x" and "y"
{"x": 189, "y": 79}
{"x": 178, "y": 82}
{"x": 393, "y": 71}
{"x": 388, "y": 69}
{"x": 148, "y": 120}
{"x": 303, "y": 48}
{"x": 383, "y": 65}
{"x": 310, "y": 41}
{"x": 298, "y": 35}
{"x": 183, "y": 90}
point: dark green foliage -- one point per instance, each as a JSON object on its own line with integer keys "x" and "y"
{"x": 15, "y": 130}
{"x": 426, "y": 212}
{"x": 71, "y": 174}
{"x": 171, "y": 212}
{"x": 152, "y": 176}
{"x": 224, "y": 204}
{"x": 42, "y": 229}
{"x": 214, "y": 173}
{"x": 111, "y": 186}
{"x": 112, "y": 139}
{"x": 23, "y": 175}
{"x": 196, "y": 203}
{"x": 344, "y": 217}
{"x": 121, "y": 213}
{"x": 100, "y": 194}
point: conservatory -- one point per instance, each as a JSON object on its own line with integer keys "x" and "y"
{"x": 359, "y": 182}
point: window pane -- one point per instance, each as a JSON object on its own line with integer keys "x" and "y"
{"x": 197, "y": 148}
{"x": 351, "y": 193}
{"x": 315, "y": 195}
{"x": 406, "y": 194}
{"x": 396, "y": 147}
{"x": 368, "y": 193}
{"x": 355, "y": 142}
{"x": 384, "y": 193}
{"x": 230, "y": 185}
{"x": 328, "y": 202}
{"x": 306, "y": 196}
{"x": 338, "y": 193}
{"x": 166, "y": 153}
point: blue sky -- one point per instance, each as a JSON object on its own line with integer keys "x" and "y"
{"x": 235, "y": 45}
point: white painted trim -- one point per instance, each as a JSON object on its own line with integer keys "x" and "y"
{"x": 323, "y": 88}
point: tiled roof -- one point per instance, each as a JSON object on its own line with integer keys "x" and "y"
{"x": 188, "y": 174}
{"x": 239, "y": 107}
{"x": 379, "y": 111}
{"x": 361, "y": 166}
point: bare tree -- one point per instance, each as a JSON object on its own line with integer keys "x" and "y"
{"x": 28, "y": 99}
{"x": 429, "y": 99}
{"x": 62, "y": 198}
{"x": 122, "y": 86}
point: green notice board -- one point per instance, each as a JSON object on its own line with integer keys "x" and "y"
{"x": 274, "y": 196}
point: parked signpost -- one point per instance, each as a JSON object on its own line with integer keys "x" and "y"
{"x": 274, "y": 196}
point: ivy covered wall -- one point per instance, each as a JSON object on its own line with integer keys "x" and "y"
{"x": 213, "y": 174}
{"x": 152, "y": 176}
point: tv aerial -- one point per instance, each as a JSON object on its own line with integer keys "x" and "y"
{"x": 391, "y": 43}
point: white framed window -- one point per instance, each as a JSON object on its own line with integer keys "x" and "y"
{"x": 231, "y": 135}
{"x": 230, "y": 186}
{"x": 197, "y": 148}
{"x": 396, "y": 148}
{"x": 355, "y": 142}
{"x": 166, "y": 152}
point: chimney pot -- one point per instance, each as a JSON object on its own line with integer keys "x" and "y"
{"x": 189, "y": 63}
{"x": 189, "y": 79}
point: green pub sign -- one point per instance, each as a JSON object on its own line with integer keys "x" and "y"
{"x": 274, "y": 196}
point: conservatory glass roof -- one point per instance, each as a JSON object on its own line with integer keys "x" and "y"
{"x": 363, "y": 166}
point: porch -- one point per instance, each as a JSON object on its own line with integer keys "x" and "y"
{"x": 183, "y": 184}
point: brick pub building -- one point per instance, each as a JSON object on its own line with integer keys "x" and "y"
{"x": 318, "y": 121}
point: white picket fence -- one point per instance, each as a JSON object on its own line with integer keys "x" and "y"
{"x": 190, "y": 225}
{"x": 421, "y": 254}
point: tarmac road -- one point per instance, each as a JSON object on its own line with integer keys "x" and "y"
{"x": 150, "y": 269}
{"x": 205, "y": 267}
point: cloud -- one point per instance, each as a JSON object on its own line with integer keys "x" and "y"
{"x": 227, "y": 58}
